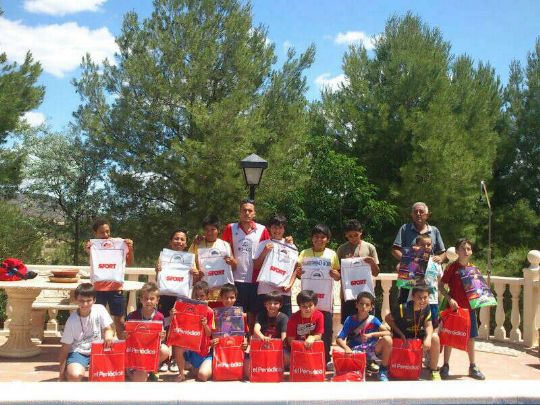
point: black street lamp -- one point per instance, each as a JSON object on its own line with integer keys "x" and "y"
{"x": 484, "y": 192}
{"x": 253, "y": 167}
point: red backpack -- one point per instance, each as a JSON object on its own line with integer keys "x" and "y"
{"x": 14, "y": 269}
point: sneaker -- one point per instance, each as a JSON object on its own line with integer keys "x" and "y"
{"x": 164, "y": 367}
{"x": 475, "y": 373}
{"x": 173, "y": 367}
{"x": 444, "y": 371}
{"x": 153, "y": 377}
{"x": 435, "y": 375}
{"x": 330, "y": 366}
{"x": 373, "y": 367}
{"x": 383, "y": 374}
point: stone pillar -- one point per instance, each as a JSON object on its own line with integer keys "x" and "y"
{"x": 531, "y": 299}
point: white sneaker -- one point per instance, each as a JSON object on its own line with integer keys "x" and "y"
{"x": 164, "y": 367}
{"x": 330, "y": 366}
{"x": 173, "y": 367}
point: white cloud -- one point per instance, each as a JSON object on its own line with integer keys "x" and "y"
{"x": 59, "y": 47}
{"x": 355, "y": 37}
{"x": 326, "y": 81}
{"x": 61, "y": 7}
{"x": 34, "y": 118}
{"x": 287, "y": 45}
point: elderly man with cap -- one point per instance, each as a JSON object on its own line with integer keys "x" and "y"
{"x": 408, "y": 232}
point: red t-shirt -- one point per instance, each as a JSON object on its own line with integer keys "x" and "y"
{"x": 452, "y": 278}
{"x": 300, "y": 328}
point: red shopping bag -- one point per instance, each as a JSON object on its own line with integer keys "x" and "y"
{"x": 307, "y": 364}
{"x": 228, "y": 359}
{"x": 349, "y": 376}
{"x": 406, "y": 362}
{"x": 345, "y": 363}
{"x": 186, "y": 330}
{"x": 143, "y": 340}
{"x": 455, "y": 328}
{"x": 107, "y": 365}
{"x": 266, "y": 361}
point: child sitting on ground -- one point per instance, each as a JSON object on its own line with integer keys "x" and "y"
{"x": 89, "y": 323}
{"x": 307, "y": 323}
{"x": 364, "y": 332}
{"x": 413, "y": 321}
{"x": 149, "y": 299}
{"x": 200, "y": 362}
{"x": 457, "y": 298}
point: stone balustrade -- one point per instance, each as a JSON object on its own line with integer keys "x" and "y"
{"x": 527, "y": 288}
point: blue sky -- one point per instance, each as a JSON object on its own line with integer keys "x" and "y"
{"x": 58, "y": 32}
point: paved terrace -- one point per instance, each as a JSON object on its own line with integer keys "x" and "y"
{"x": 512, "y": 373}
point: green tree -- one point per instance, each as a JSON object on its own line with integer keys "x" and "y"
{"x": 423, "y": 123}
{"x": 64, "y": 178}
{"x": 19, "y": 235}
{"x": 190, "y": 95}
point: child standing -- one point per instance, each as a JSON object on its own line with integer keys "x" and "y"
{"x": 201, "y": 361}
{"x": 413, "y": 321}
{"x": 457, "y": 298}
{"x": 307, "y": 323}
{"x": 356, "y": 247}
{"x": 364, "y": 332}
{"x": 110, "y": 292}
{"x": 149, "y": 299}
{"x": 89, "y": 323}
{"x": 320, "y": 236}
{"x": 276, "y": 225}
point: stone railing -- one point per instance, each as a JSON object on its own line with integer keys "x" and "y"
{"x": 527, "y": 288}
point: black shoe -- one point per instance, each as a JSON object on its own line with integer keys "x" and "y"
{"x": 444, "y": 371}
{"x": 475, "y": 373}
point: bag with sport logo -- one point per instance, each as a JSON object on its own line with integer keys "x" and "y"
{"x": 356, "y": 278}
{"x": 412, "y": 267}
{"x": 406, "y": 359}
{"x": 107, "y": 365}
{"x": 316, "y": 277}
{"x": 216, "y": 271}
{"x": 107, "y": 260}
{"x": 307, "y": 364}
{"x": 278, "y": 265}
{"x": 186, "y": 330}
{"x": 228, "y": 359}
{"x": 266, "y": 361}
{"x": 175, "y": 275}
{"x": 143, "y": 340}
{"x": 476, "y": 289}
{"x": 455, "y": 328}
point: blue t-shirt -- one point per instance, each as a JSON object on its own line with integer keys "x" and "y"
{"x": 353, "y": 329}
{"x": 407, "y": 234}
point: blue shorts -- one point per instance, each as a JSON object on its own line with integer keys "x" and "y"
{"x": 115, "y": 300}
{"x": 195, "y": 358}
{"x": 247, "y": 296}
{"x": 79, "y": 358}
{"x": 474, "y": 323}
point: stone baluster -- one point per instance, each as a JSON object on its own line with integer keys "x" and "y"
{"x": 386, "y": 285}
{"x": 52, "y": 324}
{"x": 500, "y": 331}
{"x": 132, "y": 296}
{"x": 483, "y": 329}
{"x": 531, "y": 301}
{"x": 515, "y": 333}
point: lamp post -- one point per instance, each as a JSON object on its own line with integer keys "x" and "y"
{"x": 253, "y": 167}
{"x": 484, "y": 192}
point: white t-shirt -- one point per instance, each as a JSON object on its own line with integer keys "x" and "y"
{"x": 80, "y": 331}
{"x": 265, "y": 288}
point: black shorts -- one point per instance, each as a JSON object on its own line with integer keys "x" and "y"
{"x": 247, "y": 296}
{"x": 114, "y": 299}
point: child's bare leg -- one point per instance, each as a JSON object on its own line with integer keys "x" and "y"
{"x": 434, "y": 352}
{"x": 75, "y": 372}
{"x": 383, "y": 348}
{"x": 164, "y": 353}
{"x": 179, "y": 356}
{"x": 204, "y": 373}
{"x": 447, "y": 353}
{"x": 119, "y": 325}
{"x": 470, "y": 350}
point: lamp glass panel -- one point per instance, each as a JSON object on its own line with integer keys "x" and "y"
{"x": 253, "y": 175}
